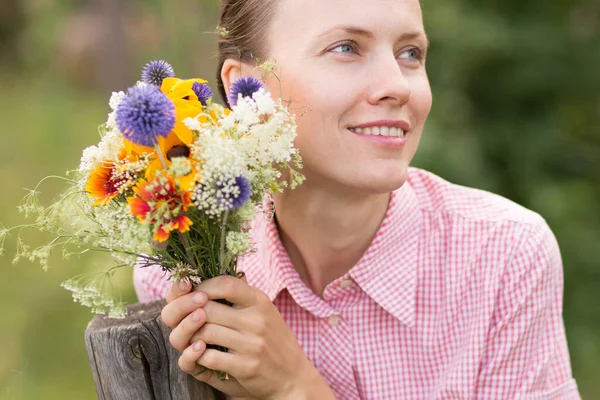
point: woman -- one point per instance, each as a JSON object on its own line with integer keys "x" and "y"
{"x": 375, "y": 280}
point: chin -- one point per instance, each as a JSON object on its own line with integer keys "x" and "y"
{"x": 381, "y": 182}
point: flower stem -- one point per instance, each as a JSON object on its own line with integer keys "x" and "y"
{"x": 186, "y": 245}
{"x": 160, "y": 156}
{"x": 222, "y": 247}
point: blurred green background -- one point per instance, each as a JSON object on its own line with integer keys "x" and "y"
{"x": 516, "y": 111}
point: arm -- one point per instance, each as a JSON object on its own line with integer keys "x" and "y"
{"x": 526, "y": 354}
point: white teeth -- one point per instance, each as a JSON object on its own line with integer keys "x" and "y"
{"x": 380, "y": 131}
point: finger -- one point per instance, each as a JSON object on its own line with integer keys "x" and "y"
{"x": 221, "y": 336}
{"x": 178, "y": 289}
{"x": 230, "y": 386}
{"x": 188, "y": 362}
{"x": 181, "y": 335}
{"x": 189, "y": 357}
{"x": 230, "y": 288}
{"x": 222, "y": 314}
{"x": 231, "y": 363}
{"x": 174, "y": 312}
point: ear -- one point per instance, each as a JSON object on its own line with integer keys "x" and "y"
{"x": 232, "y": 70}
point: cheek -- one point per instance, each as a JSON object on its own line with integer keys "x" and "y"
{"x": 319, "y": 105}
{"x": 422, "y": 99}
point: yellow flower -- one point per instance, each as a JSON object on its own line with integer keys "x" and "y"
{"x": 186, "y": 103}
{"x": 172, "y": 147}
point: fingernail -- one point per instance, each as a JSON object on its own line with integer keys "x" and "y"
{"x": 196, "y": 316}
{"x": 183, "y": 286}
{"x": 197, "y": 346}
{"x": 198, "y": 298}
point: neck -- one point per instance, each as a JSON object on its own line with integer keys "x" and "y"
{"x": 325, "y": 233}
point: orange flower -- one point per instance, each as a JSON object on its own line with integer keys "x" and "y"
{"x": 159, "y": 203}
{"x": 103, "y": 184}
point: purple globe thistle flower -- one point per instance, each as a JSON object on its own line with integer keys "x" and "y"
{"x": 234, "y": 192}
{"x": 144, "y": 114}
{"x": 246, "y": 86}
{"x": 203, "y": 92}
{"x": 155, "y": 71}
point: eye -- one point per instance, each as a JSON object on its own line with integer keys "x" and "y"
{"x": 412, "y": 54}
{"x": 348, "y": 47}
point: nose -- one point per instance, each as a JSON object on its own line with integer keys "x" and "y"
{"x": 389, "y": 83}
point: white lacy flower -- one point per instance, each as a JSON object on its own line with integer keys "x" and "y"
{"x": 180, "y": 166}
{"x": 238, "y": 242}
{"x": 112, "y": 228}
{"x": 111, "y": 144}
{"x": 115, "y": 99}
{"x": 264, "y": 102}
{"x": 220, "y": 155}
{"x": 111, "y": 122}
{"x": 228, "y": 122}
{"x": 246, "y": 113}
{"x": 193, "y": 124}
{"x": 90, "y": 159}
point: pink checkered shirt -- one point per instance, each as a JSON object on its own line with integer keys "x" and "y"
{"x": 459, "y": 296}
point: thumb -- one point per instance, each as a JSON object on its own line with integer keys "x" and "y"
{"x": 178, "y": 289}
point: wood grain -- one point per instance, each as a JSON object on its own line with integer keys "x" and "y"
{"x": 132, "y": 359}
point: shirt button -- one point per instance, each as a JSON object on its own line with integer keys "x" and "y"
{"x": 334, "y": 319}
{"x": 346, "y": 283}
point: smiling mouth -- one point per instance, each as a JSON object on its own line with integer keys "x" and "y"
{"x": 380, "y": 131}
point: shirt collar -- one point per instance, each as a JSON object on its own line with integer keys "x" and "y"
{"x": 387, "y": 272}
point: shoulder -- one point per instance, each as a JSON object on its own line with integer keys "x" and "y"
{"x": 481, "y": 225}
{"x": 439, "y": 197}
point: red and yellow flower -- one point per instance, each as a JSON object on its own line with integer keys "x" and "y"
{"x": 112, "y": 178}
{"x": 103, "y": 184}
{"x": 159, "y": 203}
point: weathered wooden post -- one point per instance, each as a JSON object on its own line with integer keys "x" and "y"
{"x": 132, "y": 359}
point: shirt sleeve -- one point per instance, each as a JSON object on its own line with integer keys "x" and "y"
{"x": 526, "y": 356}
{"x": 150, "y": 282}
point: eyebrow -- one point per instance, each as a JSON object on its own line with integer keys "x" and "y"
{"x": 354, "y": 30}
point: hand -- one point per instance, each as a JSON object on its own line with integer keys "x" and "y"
{"x": 264, "y": 357}
{"x": 185, "y": 326}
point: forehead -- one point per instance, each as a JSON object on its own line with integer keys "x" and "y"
{"x": 315, "y": 16}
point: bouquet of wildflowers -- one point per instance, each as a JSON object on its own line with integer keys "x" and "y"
{"x": 174, "y": 181}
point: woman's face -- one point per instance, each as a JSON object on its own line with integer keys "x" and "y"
{"x": 354, "y": 71}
